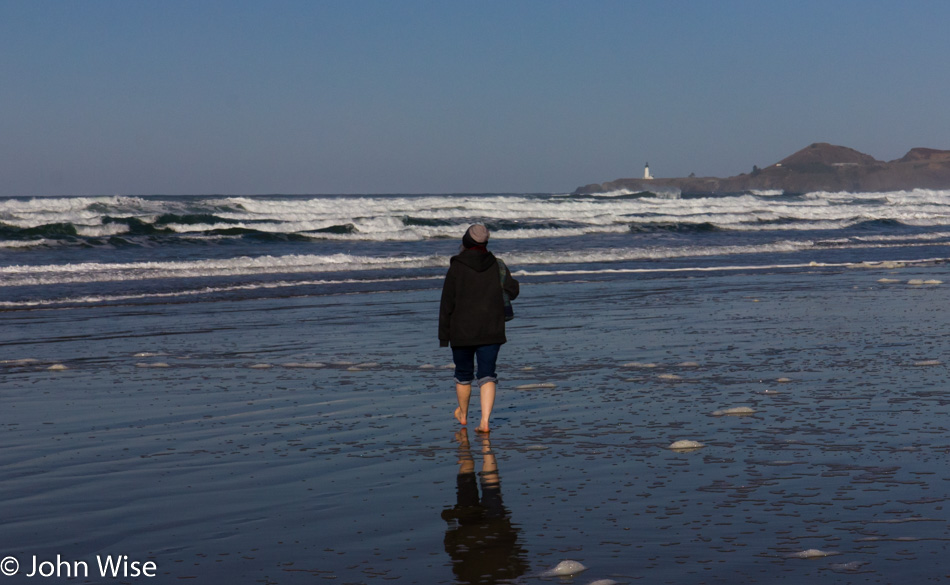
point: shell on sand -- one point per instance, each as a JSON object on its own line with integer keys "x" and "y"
{"x": 669, "y": 377}
{"x": 564, "y": 568}
{"x": 426, "y": 367}
{"x": 920, "y": 282}
{"x": 57, "y": 367}
{"x": 689, "y": 365}
{"x": 685, "y": 445}
{"x": 812, "y": 553}
{"x": 603, "y": 582}
{"x": 260, "y": 366}
{"x": 888, "y": 280}
{"x": 927, "y": 363}
{"x": 638, "y": 365}
{"x": 535, "y": 386}
{"x": 784, "y": 380}
{"x": 734, "y": 411}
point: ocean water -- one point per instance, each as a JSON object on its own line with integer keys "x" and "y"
{"x": 246, "y": 389}
{"x": 64, "y": 251}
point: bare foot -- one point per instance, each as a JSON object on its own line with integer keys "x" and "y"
{"x": 483, "y": 429}
{"x": 460, "y": 416}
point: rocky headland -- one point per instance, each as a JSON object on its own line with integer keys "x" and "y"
{"x": 818, "y": 167}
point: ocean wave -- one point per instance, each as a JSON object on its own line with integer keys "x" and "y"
{"x": 66, "y": 204}
{"x": 50, "y": 230}
{"x": 679, "y": 227}
{"x": 628, "y": 194}
{"x": 90, "y": 272}
{"x": 725, "y": 268}
{"x": 86, "y": 272}
{"x": 33, "y": 243}
{"x": 415, "y": 217}
{"x": 419, "y": 218}
{"x": 202, "y": 291}
{"x": 192, "y": 219}
{"x": 914, "y": 196}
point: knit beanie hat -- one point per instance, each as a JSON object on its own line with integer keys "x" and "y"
{"x": 475, "y": 235}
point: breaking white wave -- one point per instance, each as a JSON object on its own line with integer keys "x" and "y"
{"x": 25, "y": 243}
{"x": 119, "y": 272}
{"x": 87, "y": 272}
{"x": 411, "y": 218}
{"x": 215, "y": 242}
{"x": 210, "y": 290}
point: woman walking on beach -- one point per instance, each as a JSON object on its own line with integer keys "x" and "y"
{"x": 472, "y": 319}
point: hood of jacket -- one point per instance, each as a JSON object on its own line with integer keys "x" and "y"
{"x": 477, "y": 260}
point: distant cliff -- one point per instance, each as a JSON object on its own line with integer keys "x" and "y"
{"x": 819, "y": 167}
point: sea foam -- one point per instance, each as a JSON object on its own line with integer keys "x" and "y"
{"x": 735, "y": 411}
{"x": 564, "y": 568}
{"x": 813, "y": 553}
{"x": 685, "y": 445}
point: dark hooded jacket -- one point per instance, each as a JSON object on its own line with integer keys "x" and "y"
{"x": 472, "y": 310}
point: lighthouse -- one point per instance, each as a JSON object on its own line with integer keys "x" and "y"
{"x": 646, "y": 172}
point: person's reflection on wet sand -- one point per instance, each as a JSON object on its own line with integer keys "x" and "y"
{"x": 480, "y": 538}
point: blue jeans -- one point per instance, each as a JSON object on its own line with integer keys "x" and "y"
{"x": 465, "y": 358}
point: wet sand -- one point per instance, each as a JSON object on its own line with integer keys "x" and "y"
{"x": 304, "y": 440}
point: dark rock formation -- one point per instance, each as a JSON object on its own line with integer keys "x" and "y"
{"x": 819, "y": 167}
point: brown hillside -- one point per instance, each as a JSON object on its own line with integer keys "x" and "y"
{"x": 928, "y": 154}
{"x": 827, "y": 154}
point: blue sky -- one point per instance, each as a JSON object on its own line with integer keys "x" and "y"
{"x": 199, "y": 97}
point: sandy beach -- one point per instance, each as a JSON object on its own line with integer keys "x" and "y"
{"x": 300, "y": 439}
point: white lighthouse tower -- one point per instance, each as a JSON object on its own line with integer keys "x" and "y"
{"x": 646, "y": 172}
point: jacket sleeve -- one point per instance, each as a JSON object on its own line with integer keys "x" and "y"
{"x": 446, "y": 308}
{"x": 512, "y": 287}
